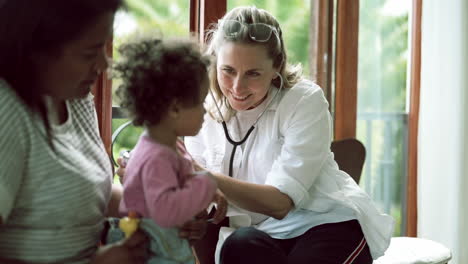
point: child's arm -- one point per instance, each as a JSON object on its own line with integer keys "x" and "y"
{"x": 169, "y": 203}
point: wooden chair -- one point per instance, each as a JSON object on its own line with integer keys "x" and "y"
{"x": 350, "y": 155}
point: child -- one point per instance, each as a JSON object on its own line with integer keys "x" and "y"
{"x": 164, "y": 84}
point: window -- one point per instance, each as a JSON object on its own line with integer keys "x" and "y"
{"x": 382, "y": 116}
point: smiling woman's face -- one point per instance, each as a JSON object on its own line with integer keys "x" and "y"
{"x": 71, "y": 73}
{"x": 244, "y": 74}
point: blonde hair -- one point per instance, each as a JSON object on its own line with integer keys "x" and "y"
{"x": 290, "y": 74}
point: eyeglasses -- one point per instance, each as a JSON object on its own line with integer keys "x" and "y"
{"x": 259, "y": 32}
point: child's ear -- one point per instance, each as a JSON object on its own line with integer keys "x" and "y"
{"x": 174, "y": 109}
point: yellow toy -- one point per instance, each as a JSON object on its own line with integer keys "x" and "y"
{"x": 129, "y": 224}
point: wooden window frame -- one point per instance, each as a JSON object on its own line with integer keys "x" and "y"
{"x": 204, "y": 13}
{"x": 346, "y": 68}
{"x": 102, "y": 92}
{"x": 413, "y": 127}
{"x": 321, "y": 54}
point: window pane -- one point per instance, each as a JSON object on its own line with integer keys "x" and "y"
{"x": 382, "y": 92}
{"x": 167, "y": 19}
{"x": 294, "y": 19}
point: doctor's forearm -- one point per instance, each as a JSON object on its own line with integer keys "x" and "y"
{"x": 257, "y": 198}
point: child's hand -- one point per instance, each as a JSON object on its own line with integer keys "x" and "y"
{"x": 131, "y": 250}
{"x": 194, "y": 229}
{"x": 221, "y": 207}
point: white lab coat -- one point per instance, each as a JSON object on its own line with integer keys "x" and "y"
{"x": 290, "y": 150}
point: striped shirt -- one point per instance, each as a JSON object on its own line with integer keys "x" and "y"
{"x": 52, "y": 203}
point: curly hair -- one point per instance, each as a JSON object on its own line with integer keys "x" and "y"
{"x": 155, "y": 72}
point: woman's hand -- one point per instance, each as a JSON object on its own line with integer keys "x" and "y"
{"x": 114, "y": 202}
{"x": 194, "y": 229}
{"x": 131, "y": 250}
{"x": 121, "y": 169}
{"x": 197, "y": 166}
{"x": 221, "y": 207}
{"x": 258, "y": 198}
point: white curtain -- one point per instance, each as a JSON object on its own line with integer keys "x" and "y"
{"x": 443, "y": 127}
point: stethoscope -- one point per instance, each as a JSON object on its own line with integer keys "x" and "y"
{"x": 234, "y": 143}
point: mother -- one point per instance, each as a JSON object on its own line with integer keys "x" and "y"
{"x": 55, "y": 177}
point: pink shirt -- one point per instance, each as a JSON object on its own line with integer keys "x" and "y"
{"x": 161, "y": 184}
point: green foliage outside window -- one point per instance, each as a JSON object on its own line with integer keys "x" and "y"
{"x": 382, "y": 116}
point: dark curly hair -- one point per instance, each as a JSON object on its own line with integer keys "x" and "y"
{"x": 154, "y": 72}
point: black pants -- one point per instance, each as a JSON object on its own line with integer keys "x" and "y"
{"x": 325, "y": 244}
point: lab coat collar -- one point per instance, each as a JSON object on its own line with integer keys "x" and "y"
{"x": 271, "y": 93}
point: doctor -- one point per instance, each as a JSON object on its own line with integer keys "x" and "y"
{"x": 266, "y": 138}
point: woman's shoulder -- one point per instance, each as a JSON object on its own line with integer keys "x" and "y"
{"x": 11, "y": 105}
{"x": 305, "y": 87}
{"x": 303, "y": 91}
{"x": 85, "y": 104}
{"x": 16, "y": 119}
{"x": 7, "y": 95}
{"x": 84, "y": 113}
